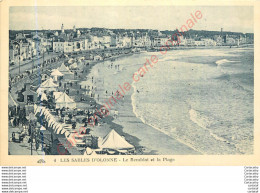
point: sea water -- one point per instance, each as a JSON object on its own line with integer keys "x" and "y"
{"x": 204, "y": 98}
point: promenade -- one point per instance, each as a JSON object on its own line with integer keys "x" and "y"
{"x": 74, "y": 89}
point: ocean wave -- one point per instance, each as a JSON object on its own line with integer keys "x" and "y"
{"x": 199, "y": 119}
{"x": 223, "y": 61}
{"x": 204, "y": 122}
{"x": 171, "y": 131}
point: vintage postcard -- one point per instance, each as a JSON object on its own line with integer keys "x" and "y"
{"x": 140, "y": 83}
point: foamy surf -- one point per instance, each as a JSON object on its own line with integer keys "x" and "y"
{"x": 204, "y": 122}
{"x": 223, "y": 61}
{"x": 157, "y": 128}
{"x": 199, "y": 119}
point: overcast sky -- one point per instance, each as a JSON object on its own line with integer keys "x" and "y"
{"x": 237, "y": 19}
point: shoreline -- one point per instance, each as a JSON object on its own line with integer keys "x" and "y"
{"x": 153, "y": 126}
{"x": 153, "y": 140}
{"x": 107, "y": 123}
{"x": 157, "y": 49}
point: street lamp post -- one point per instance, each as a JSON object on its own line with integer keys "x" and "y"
{"x": 42, "y": 58}
{"x": 32, "y": 65}
{"x": 19, "y": 62}
{"x": 30, "y": 125}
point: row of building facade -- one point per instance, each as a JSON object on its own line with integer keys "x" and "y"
{"x": 23, "y": 47}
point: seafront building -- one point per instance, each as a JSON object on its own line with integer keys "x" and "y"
{"x": 25, "y": 46}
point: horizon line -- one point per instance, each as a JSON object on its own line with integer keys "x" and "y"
{"x": 125, "y": 29}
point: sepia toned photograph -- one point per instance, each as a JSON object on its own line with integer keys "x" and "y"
{"x": 131, "y": 80}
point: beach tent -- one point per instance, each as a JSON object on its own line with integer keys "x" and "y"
{"x": 42, "y": 111}
{"x": 57, "y": 127}
{"x": 51, "y": 122}
{"x": 48, "y": 116}
{"x": 65, "y": 101}
{"x": 57, "y": 94}
{"x": 39, "y": 109}
{"x": 42, "y": 128}
{"x": 58, "y": 131}
{"x": 46, "y": 112}
{"x": 63, "y": 131}
{"x": 66, "y": 72}
{"x": 47, "y": 85}
{"x": 64, "y": 69}
{"x": 114, "y": 141}
{"x": 55, "y": 74}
